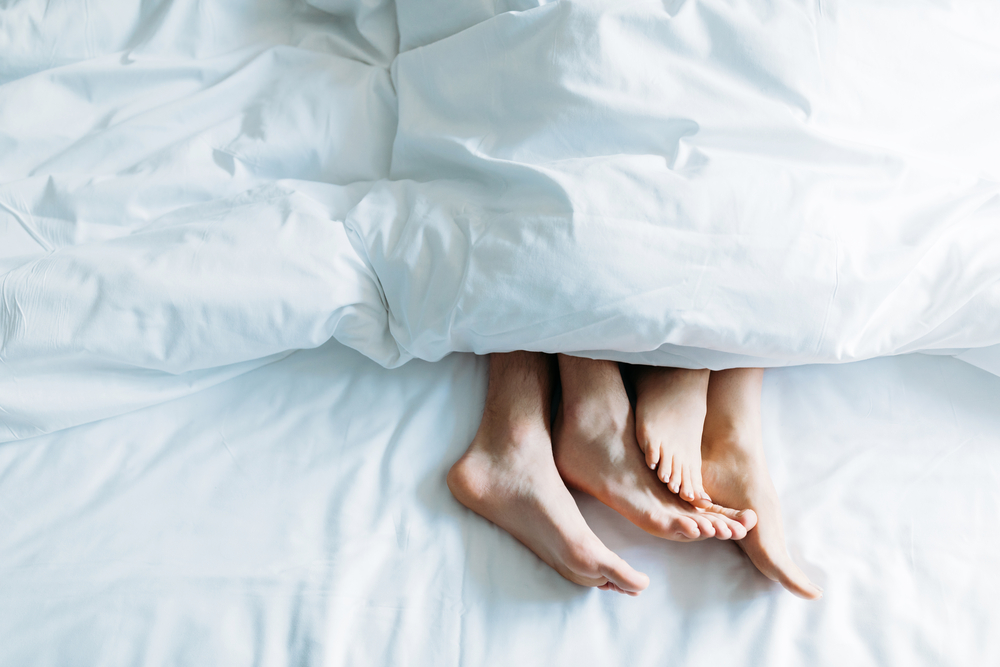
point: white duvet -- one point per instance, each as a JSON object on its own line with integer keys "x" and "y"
{"x": 186, "y": 197}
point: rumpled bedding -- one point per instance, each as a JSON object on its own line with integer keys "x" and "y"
{"x": 205, "y": 205}
{"x": 691, "y": 183}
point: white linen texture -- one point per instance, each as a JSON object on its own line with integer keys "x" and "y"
{"x": 695, "y": 184}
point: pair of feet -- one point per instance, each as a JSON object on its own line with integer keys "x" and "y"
{"x": 517, "y": 469}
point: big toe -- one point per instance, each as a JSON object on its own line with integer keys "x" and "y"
{"x": 777, "y": 565}
{"x": 592, "y": 560}
{"x": 623, "y": 577}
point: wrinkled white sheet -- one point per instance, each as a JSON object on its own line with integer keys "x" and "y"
{"x": 298, "y": 515}
{"x": 192, "y": 191}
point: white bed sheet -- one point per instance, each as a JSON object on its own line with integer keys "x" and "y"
{"x": 298, "y": 515}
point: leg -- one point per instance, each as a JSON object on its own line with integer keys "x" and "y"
{"x": 735, "y": 471}
{"x": 596, "y": 452}
{"x": 509, "y": 476}
{"x": 669, "y": 416}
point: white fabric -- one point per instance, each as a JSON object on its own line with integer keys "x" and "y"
{"x": 299, "y": 515}
{"x": 192, "y": 191}
{"x": 698, "y": 179}
{"x": 697, "y": 184}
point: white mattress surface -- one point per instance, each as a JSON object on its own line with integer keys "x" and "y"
{"x": 298, "y": 515}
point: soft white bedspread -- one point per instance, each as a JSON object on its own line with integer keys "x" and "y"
{"x": 198, "y": 188}
{"x": 192, "y": 191}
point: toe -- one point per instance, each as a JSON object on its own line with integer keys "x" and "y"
{"x": 687, "y": 489}
{"x": 738, "y": 529}
{"x": 746, "y": 518}
{"x": 665, "y": 470}
{"x": 620, "y": 575}
{"x": 796, "y": 581}
{"x": 775, "y": 563}
{"x": 611, "y": 586}
{"x": 652, "y": 455}
{"x": 674, "y": 482}
{"x": 722, "y": 529}
{"x": 688, "y": 528}
{"x": 788, "y": 574}
{"x": 699, "y": 487}
{"x": 706, "y": 527}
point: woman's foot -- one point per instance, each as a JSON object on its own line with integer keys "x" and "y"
{"x": 596, "y": 452}
{"x": 508, "y": 475}
{"x": 669, "y": 416}
{"x": 735, "y": 472}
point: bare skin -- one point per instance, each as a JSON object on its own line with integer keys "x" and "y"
{"x": 509, "y": 476}
{"x": 670, "y": 411}
{"x": 735, "y": 473}
{"x": 596, "y": 452}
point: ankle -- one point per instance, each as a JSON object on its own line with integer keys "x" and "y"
{"x": 688, "y": 380}
{"x": 596, "y": 411}
{"x": 733, "y": 439}
{"x": 510, "y": 431}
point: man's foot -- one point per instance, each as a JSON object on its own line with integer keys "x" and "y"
{"x": 669, "y": 416}
{"x": 511, "y": 479}
{"x": 735, "y": 472}
{"x": 596, "y": 452}
{"x": 508, "y": 475}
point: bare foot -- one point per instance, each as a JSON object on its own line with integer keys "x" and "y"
{"x": 669, "y": 416}
{"x": 735, "y": 472}
{"x": 508, "y": 475}
{"x": 596, "y": 452}
{"x": 511, "y": 479}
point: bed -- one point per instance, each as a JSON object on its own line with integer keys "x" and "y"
{"x": 228, "y": 404}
